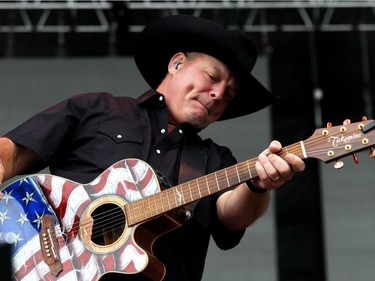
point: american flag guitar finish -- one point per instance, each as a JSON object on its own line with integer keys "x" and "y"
{"x": 64, "y": 230}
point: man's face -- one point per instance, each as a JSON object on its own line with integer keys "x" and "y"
{"x": 199, "y": 90}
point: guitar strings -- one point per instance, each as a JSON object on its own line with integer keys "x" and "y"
{"x": 112, "y": 220}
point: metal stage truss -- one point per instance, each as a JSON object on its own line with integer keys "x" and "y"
{"x": 37, "y": 16}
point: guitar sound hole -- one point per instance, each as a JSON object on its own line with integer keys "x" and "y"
{"x": 109, "y": 224}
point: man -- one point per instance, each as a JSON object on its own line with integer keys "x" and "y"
{"x": 199, "y": 73}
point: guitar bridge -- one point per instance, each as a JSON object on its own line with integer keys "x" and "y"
{"x": 49, "y": 246}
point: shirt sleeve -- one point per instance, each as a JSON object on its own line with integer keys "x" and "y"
{"x": 50, "y": 130}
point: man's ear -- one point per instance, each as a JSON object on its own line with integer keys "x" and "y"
{"x": 176, "y": 64}
{"x": 176, "y": 61}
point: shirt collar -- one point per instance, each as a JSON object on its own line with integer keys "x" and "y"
{"x": 154, "y": 98}
{"x": 151, "y": 96}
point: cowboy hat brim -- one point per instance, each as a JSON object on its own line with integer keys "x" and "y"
{"x": 163, "y": 38}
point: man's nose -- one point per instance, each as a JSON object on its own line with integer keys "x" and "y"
{"x": 217, "y": 93}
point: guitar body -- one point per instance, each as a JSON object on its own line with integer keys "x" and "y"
{"x": 63, "y": 230}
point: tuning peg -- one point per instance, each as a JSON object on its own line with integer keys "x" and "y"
{"x": 338, "y": 164}
{"x": 372, "y": 152}
{"x": 347, "y": 122}
{"x": 355, "y": 158}
{"x": 372, "y": 149}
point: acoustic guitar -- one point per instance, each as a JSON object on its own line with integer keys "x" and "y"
{"x": 63, "y": 230}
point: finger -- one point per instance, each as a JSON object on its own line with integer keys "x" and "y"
{"x": 298, "y": 165}
{"x": 267, "y": 168}
{"x": 285, "y": 170}
{"x": 273, "y": 147}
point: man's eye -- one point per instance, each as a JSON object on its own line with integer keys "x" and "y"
{"x": 211, "y": 77}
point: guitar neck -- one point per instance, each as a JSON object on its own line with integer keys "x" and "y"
{"x": 199, "y": 188}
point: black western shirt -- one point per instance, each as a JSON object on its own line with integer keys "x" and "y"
{"x": 82, "y": 136}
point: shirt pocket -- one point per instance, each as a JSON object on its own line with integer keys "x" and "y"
{"x": 121, "y": 133}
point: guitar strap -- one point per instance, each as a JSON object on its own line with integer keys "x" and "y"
{"x": 192, "y": 165}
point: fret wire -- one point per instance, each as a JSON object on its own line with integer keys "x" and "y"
{"x": 196, "y": 194}
{"x": 204, "y": 191}
{"x": 232, "y": 181}
{"x": 138, "y": 209}
{"x": 199, "y": 190}
{"x": 208, "y": 186}
{"x": 234, "y": 178}
{"x": 159, "y": 205}
{"x": 191, "y": 195}
{"x": 146, "y": 210}
{"x": 197, "y": 187}
{"x": 182, "y": 191}
{"x": 143, "y": 209}
{"x": 242, "y": 172}
{"x": 166, "y": 200}
{"x": 156, "y": 208}
{"x": 174, "y": 201}
{"x": 168, "y": 194}
{"x": 174, "y": 197}
{"x": 151, "y": 201}
{"x": 193, "y": 190}
{"x": 238, "y": 175}
{"x": 226, "y": 176}
{"x": 170, "y": 202}
{"x": 217, "y": 182}
{"x": 221, "y": 178}
{"x": 249, "y": 169}
{"x": 179, "y": 196}
{"x": 149, "y": 211}
{"x": 161, "y": 201}
{"x": 129, "y": 214}
{"x": 211, "y": 182}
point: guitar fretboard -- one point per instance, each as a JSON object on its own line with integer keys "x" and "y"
{"x": 188, "y": 192}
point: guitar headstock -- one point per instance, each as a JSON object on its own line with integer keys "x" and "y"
{"x": 334, "y": 142}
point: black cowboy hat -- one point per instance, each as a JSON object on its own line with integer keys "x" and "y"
{"x": 161, "y": 39}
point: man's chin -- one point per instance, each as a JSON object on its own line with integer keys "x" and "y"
{"x": 198, "y": 121}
